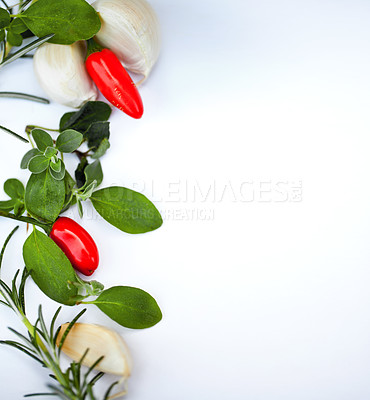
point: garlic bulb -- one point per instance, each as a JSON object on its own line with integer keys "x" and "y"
{"x": 100, "y": 341}
{"x": 60, "y": 70}
{"x": 130, "y": 29}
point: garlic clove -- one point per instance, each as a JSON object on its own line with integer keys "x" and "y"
{"x": 100, "y": 341}
{"x": 130, "y": 28}
{"x": 60, "y": 70}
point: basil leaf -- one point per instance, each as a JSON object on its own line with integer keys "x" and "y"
{"x": 28, "y": 156}
{"x": 68, "y": 141}
{"x": 2, "y": 35}
{"x": 38, "y": 164}
{"x": 129, "y": 306}
{"x": 18, "y": 26}
{"x": 94, "y": 172}
{"x": 126, "y": 209}
{"x": 101, "y": 150}
{"x": 70, "y": 20}
{"x": 15, "y": 39}
{"x": 42, "y": 139}
{"x": 92, "y": 111}
{"x": 50, "y": 268}
{"x": 96, "y": 132}
{"x": 4, "y": 18}
{"x": 44, "y": 196}
{"x": 58, "y": 175}
{"x": 14, "y": 189}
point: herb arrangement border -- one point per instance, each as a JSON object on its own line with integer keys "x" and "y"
{"x": 51, "y": 190}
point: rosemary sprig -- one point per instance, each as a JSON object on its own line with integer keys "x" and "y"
{"x": 41, "y": 343}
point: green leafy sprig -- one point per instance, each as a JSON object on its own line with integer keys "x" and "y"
{"x": 40, "y": 344}
{"x": 60, "y": 22}
{"x": 51, "y": 190}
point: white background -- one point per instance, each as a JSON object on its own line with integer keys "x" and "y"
{"x": 268, "y": 299}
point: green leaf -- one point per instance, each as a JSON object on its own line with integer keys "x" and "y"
{"x": 42, "y": 139}
{"x": 64, "y": 120}
{"x": 80, "y": 208}
{"x": 7, "y": 205}
{"x": 50, "y": 152}
{"x": 101, "y": 150}
{"x": 129, "y": 306}
{"x": 80, "y": 172}
{"x": 88, "y": 191}
{"x": 58, "y": 175}
{"x": 69, "y": 184}
{"x": 96, "y": 132}
{"x": 44, "y": 196}
{"x": 94, "y": 172}
{"x": 28, "y": 156}
{"x": 18, "y": 26}
{"x": 69, "y": 141}
{"x": 70, "y": 20}
{"x": 19, "y": 207}
{"x": 92, "y": 111}
{"x": 126, "y": 209}
{"x": 50, "y": 268}
{"x": 15, "y": 39}
{"x": 2, "y": 35}
{"x": 56, "y": 166}
{"x": 14, "y": 189}
{"x": 4, "y": 18}
{"x": 38, "y": 164}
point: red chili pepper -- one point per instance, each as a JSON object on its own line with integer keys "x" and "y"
{"x": 77, "y": 244}
{"x": 113, "y": 81}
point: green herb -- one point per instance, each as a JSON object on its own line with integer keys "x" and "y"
{"x": 130, "y": 307}
{"x": 68, "y": 20}
{"x": 126, "y": 209}
{"x": 15, "y": 190}
{"x": 50, "y": 268}
{"x": 51, "y": 190}
{"x": 92, "y": 111}
{"x": 44, "y": 196}
{"x": 4, "y": 18}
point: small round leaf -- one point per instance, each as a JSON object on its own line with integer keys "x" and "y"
{"x": 4, "y": 18}
{"x": 15, "y": 39}
{"x": 17, "y": 26}
{"x": 14, "y": 188}
{"x": 42, "y": 139}
{"x": 38, "y": 164}
{"x": 69, "y": 141}
{"x": 28, "y": 156}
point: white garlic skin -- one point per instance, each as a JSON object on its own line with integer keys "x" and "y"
{"x": 130, "y": 28}
{"x": 61, "y": 72}
{"x": 100, "y": 341}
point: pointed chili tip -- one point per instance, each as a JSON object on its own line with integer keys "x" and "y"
{"x": 134, "y": 109}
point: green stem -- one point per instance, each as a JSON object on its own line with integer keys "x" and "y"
{"x": 92, "y": 47}
{"x": 24, "y": 96}
{"x": 27, "y": 220}
{"x": 30, "y": 127}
